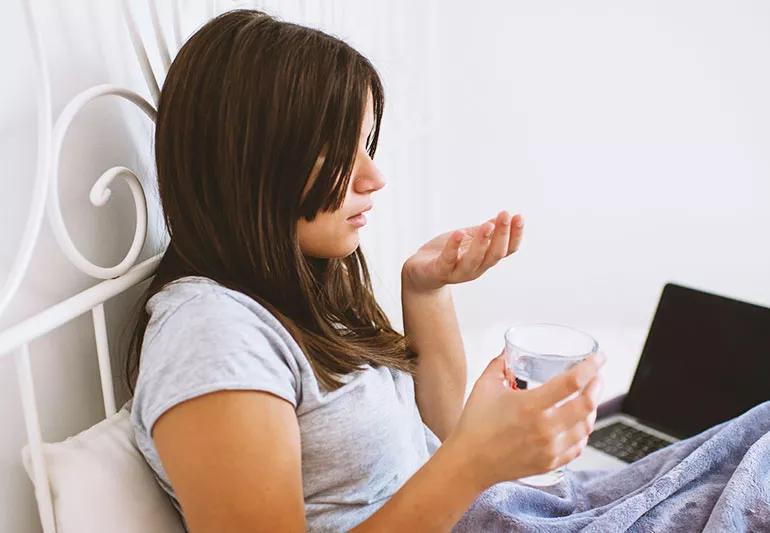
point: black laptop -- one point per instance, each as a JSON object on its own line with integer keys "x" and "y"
{"x": 706, "y": 360}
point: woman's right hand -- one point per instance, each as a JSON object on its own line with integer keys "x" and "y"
{"x": 508, "y": 434}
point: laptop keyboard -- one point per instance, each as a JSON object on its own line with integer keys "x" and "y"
{"x": 625, "y": 442}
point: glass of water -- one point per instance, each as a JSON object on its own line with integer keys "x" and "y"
{"x": 535, "y": 353}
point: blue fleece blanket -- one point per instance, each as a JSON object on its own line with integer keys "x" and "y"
{"x": 717, "y": 481}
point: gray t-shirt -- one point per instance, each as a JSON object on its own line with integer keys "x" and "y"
{"x": 360, "y": 443}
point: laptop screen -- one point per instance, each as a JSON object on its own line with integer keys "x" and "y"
{"x": 706, "y": 360}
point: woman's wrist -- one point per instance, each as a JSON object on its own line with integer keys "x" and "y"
{"x": 458, "y": 452}
{"x": 408, "y": 283}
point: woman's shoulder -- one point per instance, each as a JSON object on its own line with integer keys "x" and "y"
{"x": 198, "y": 311}
{"x": 175, "y": 294}
{"x": 203, "y": 336}
{"x": 207, "y": 303}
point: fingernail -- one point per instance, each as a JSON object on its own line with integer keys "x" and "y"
{"x": 506, "y": 220}
{"x": 520, "y": 222}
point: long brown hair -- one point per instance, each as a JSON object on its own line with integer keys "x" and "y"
{"x": 247, "y": 106}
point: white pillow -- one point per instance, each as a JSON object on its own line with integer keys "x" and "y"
{"x": 100, "y": 482}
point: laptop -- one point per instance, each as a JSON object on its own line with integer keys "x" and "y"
{"x": 706, "y": 360}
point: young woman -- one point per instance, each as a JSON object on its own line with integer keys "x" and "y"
{"x": 272, "y": 392}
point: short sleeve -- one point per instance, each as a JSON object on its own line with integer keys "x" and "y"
{"x": 207, "y": 343}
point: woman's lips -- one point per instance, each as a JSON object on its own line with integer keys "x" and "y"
{"x": 358, "y": 220}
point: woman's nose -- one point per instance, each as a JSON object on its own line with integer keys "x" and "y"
{"x": 369, "y": 178}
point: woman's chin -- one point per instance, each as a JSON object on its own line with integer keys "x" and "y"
{"x": 352, "y": 244}
{"x": 351, "y": 248}
{"x": 338, "y": 250}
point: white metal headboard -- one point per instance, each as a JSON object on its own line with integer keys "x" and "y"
{"x": 117, "y": 279}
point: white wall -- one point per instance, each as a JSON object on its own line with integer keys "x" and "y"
{"x": 632, "y": 135}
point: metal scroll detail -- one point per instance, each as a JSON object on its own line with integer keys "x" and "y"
{"x": 100, "y": 192}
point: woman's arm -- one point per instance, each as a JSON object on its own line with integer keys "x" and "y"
{"x": 234, "y": 457}
{"x": 430, "y": 324}
{"x": 234, "y": 460}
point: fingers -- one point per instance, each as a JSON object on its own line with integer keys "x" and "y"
{"x": 573, "y": 452}
{"x": 498, "y": 247}
{"x": 517, "y": 232}
{"x": 448, "y": 257}
{"x": 577, "y": 418}
{"x": 569, "y": 382}
{"x": 472, "y": 259}
{"x": 493, "y": 240}
{"x": 580, "y": 409}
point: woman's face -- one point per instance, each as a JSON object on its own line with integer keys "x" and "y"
{"x": 333, "y": 234}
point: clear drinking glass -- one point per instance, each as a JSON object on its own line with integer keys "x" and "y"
{"x": 535, "y": 353}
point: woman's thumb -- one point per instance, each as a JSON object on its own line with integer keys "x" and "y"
{"x": 496, "y": 367}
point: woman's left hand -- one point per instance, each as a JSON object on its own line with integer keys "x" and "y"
{"x": 463, "y": 254}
